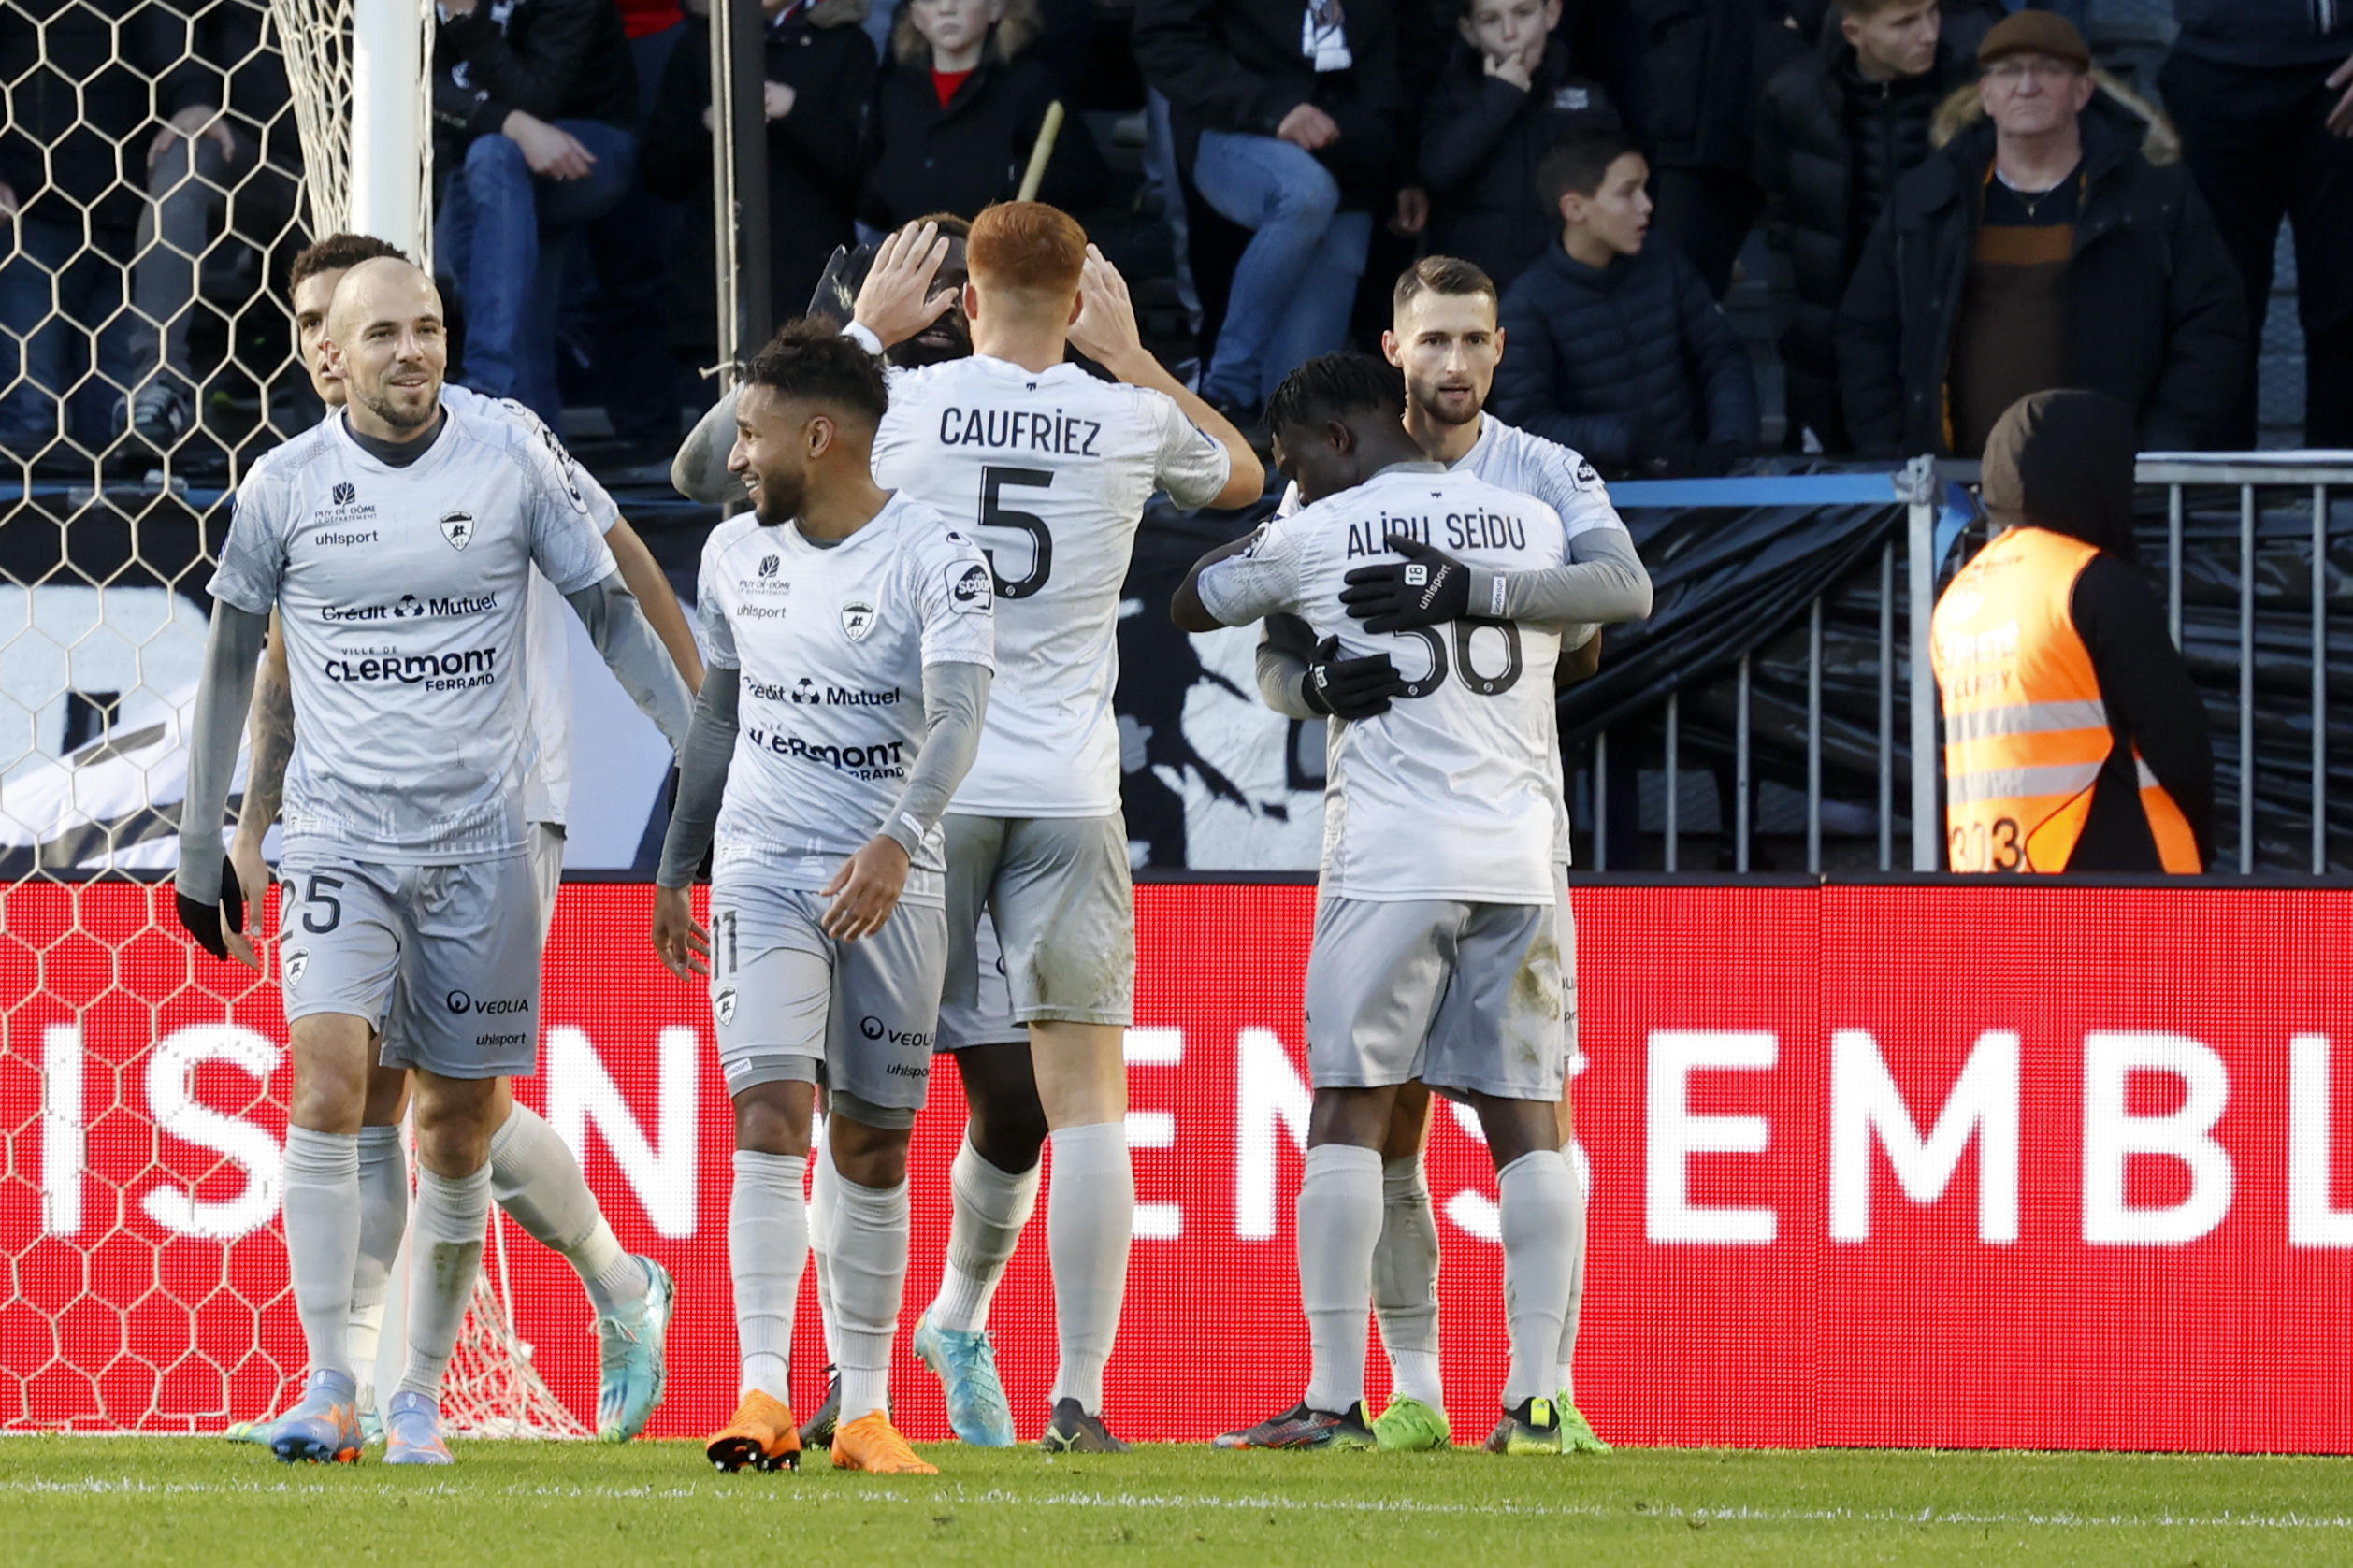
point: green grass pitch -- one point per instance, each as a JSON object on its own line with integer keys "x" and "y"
{"x": 119, "y": 1501}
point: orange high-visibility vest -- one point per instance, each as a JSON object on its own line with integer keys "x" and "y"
{"x": 2026, "y": 732}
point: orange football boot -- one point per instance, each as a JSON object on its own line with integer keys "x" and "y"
{"x": 872, "y": 1443}
{"x": 761, "y": 1435}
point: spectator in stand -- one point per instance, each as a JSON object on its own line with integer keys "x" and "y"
{"x": 2264, "y": 132}
{"x": 2051, "y": 241}
{"x": 221, "y": 179}
{"x": 960, "y": 111}
{"x": 1836, "y": 129}
{"x": 73, "y": 149}
{"x": 818, "y": 74}
{"x": 1284, "y": 113}
{"x": 534, "y": 106}
{"x": 1508, "y": 95}
{"x": 1617, "y": 349}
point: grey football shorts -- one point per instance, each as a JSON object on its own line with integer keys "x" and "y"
{"x": 547, "y": 852}
{"x": 1064, "y": 907}
{"x": 987, "y": 1019}
{"x": 462, "y": 941}
{"x": 791, "y": 1003}
{"x": 1455, "y": 1010}
{"x": 1380, "y": 976}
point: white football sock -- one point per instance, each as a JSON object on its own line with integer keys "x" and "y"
{"x": 1565, "y": 1364}
{"x": 383, "y": 1216}
{"x": 768, "y": 1246}
{"x": 1090, "y": 1223}
{"x": 444, "y": 1258}
{"x": 536, "y": 1179}
{"x": 991, "y": 1207}
{"x": 1339, "y": 1225}
{"x": 870, "y": 1275}
{"x": 821, "y": 1180}
{"x": 322, "y": 1220}
{"x": 1406, "y": 1282}
{"x": 1537, "y": 1195}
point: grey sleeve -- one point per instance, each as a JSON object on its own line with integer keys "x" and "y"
{"x": 225, "y": 691}
{"x": 955, "y": 700}
{"x": 702, "y": 778}
{"x": 1282, "y": 666}
{"x": 700, "y": 471}
{"x": 1603, "y": 583}
{"x": 618, "y": 626}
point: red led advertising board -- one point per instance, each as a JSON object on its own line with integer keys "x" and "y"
{"x": 1949, "y": 1164}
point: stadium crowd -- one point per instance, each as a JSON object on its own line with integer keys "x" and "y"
{"x": 1960, "y": 223}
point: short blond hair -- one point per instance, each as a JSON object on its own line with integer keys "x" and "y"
{"x": 1014, "y": 31}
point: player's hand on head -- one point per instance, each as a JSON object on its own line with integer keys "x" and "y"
{"x": 865, "y": 890}
{"x": 218, "y": 928}
{"x": 680, "y": 941}
{"x": 1350, "y": 688}
{"x": 897, "y": 300}
{"x": 1427, "y": 588}
{"x": 1105, "y": 330}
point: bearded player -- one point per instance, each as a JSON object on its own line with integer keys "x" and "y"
{"x": 1446, "y": 338}
{"x": 850, "y": 639}
{"x": 535, "y": 1177}
{"x": 396, "y": 540}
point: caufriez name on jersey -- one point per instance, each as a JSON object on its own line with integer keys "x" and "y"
{"x": 883, "y": 759}
{"x": 473, "y": 667}
{"x": 808, "y": 693}
{"x": 1048, "y": 430}
{"x": 1456, "y": 531}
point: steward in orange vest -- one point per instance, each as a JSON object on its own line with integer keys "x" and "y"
{"x": 2074, "y": 739}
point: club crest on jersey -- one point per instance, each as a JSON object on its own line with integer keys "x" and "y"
{"x": 969, "y": 588}
{"x": 858, "y": 619}
{"x": 459, "y": 529}
{"x": 724, "y": 1005}
{"x": 296, "y": 961}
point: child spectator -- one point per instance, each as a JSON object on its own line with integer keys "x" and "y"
{"x": 1836, "y": 130}
{"x": 958, "y": 113}
{"x": 1618, "y": 350}
{"x": 1507, "y": 98}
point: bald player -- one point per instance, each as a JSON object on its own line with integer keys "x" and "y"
{"x": 396, "y": 541}
{"x": 535, "y": 1177}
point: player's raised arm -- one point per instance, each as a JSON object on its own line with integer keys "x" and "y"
{"x": 899, "y": 297}
{"x": 1602, "y": 582}
{"x": 1106, "y": 332}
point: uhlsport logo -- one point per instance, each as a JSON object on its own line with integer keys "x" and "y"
{"x": 459, "y": 529}
{"x": 724, "y": 1005}
{"x": 858, "y": 619}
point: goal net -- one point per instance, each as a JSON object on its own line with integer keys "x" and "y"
{"x": 160, "y": 165}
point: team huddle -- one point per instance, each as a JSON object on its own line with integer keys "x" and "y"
{"x": 898, "y": 761}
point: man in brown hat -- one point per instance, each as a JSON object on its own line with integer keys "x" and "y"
{"x": 2051, "y": 241}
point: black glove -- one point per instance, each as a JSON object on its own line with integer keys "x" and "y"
{"x": 203, "y": 921}
{"x": 1358, "y": 688}
{"x": 1427, "y": 588}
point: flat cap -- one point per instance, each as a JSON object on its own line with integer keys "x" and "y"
{"x": 2035, "y": 33}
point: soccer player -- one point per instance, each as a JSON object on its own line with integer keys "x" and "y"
{"x": 396, "y": 540}
{"x": 850, "y": 636}
{"x": 1445, "y": 336}
{"x": 1052, "y": 467}
{"x": 534, "y": 1176}
{"x": 1438, "y": 881}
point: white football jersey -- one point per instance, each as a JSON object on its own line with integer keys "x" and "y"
{"x": 1452, "y": 793}
{"x": 546, "y": 639}
{"x": 1050, "y": 470}
{"x": 400, "y": 593}
{"x": 1510, "y": 459}
{"x": 830, "y": 644}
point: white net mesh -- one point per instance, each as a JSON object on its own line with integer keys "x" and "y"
{"x": 160, "y": 164}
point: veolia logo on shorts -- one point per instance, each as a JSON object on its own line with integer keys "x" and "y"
{"x": 498, "y": 1006}
{"x": 874, "y": 1029}
{"x": 858, "y": 619}
{"x": 724, "y": 1005}
{"x": 296, "y": 960}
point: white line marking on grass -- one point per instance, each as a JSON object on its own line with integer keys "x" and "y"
{"x": 754, "y": 1493}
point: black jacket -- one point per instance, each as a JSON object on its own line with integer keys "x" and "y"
{"x": 552, "y": 59}
{"x": 77, "y": 120}
{"x": 1235, "y": 66}
{"x": 922, "y": 158}
{"x": 1830, "y": 147}
{"x": 1628, "y": 365}
{"x": 1706, "y": 61}
{"x": 813, "y": 153}
{"x": 1482, "y": 139}
{"x": 2155, "y": 316}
